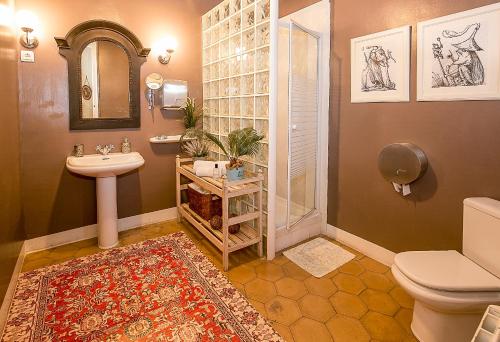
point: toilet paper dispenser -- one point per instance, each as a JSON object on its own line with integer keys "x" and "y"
{"x": 402, "y": 164}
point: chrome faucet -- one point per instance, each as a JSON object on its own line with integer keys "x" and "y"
{"x": 104, "y": 150}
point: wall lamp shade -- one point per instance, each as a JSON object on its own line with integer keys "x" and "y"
{"x": 6, "y": 16}
{"x": 28, "y": 23}
{"x": 166, "y": 47}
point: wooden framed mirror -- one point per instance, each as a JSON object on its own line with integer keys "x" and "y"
{"x": 104, "y": 62}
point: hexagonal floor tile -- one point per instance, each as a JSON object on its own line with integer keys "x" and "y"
{"x": 290, "y": 288}
{"x": 353, "y": 267}
{"x": 382, "y": 327}
{"x": 293, "y": 271}
{"x": 260, "y": 290}
{"x": 320, "y": 286}
{"x": 283, "y": 310}
{"x": 316, "y": 307}
{"x": 379, "y": 302}
{"x": 241, "y": 274}
{"x": 404, "y": 317}
{"x": 403, "y": 298}
{"x": 371, "y": 265}
{"x": 348, "y": 283}
{"x": 307, "y": 330}
{"x": 348, "y": 304}
{"x": 284, "y": 331}
{"x": 261, "y": 308}
{"x": 346, "y": 329}
{"x": 269, "y": 271}
{"x": 376, "y": 281}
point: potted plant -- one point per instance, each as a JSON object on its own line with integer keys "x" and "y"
{"x": 192, "y": 114}
{"x": 241, "y": 142}
{"x": 195, "y": 144}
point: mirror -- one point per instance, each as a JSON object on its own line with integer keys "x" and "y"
{"x": 154, "y": 82}
{"x": 105, "y": 81}
{"x": 104, "y": 61}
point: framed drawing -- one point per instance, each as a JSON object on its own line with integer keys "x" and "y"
{"x": 458, "y": 56}
{"x": 380, "y": 66}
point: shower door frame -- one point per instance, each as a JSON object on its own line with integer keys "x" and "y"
{"x": 295, "y": 25}
{"x": 272, "y": 234}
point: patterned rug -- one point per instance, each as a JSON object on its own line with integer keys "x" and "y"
{"x": 158, "y": 290}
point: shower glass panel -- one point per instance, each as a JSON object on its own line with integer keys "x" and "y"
{"x": 303, "y": 121}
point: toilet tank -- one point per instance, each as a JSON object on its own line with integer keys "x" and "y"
{"x": 481, "y": 229}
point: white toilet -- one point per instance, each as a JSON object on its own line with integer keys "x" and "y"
{"x": 452, "y": 290}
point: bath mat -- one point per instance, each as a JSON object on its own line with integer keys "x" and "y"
{"x": 157, "y": 290}
{"x": 319, "y": 256}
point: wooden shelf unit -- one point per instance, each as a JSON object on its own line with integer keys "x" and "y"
{"x": 222, "y": 239}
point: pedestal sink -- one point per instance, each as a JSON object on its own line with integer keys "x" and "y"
{"x": 105, "y": 168}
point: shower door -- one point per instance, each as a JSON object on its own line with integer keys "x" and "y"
{"x": 303, "y": 123}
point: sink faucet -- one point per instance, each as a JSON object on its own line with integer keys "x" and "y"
{"x": 104, "y": 150}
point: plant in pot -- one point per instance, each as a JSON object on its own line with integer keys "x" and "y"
{"x": 241, "y": 142}
{"x": 195, "y": 144}
{"x": 192, "y": 114}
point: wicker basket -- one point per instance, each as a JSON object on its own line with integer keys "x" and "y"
{"x": 203, "y": 202}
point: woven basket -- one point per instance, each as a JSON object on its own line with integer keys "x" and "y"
{"x": 203, "y": 202}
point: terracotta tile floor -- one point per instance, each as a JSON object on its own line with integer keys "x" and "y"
{"x": 358, "y": 302}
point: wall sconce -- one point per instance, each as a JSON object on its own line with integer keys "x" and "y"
{"x": 168, "y": 47}
{"x": 27, "y": 22}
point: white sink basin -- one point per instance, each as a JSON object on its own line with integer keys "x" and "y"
{"x": 97, "y": 165}
{"x": 105, "y": 169}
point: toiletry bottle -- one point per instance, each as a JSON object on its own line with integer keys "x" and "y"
{"x": 125, "y": 146}
{"x": 216, "y": 171}
{"x": 78, "y": 150}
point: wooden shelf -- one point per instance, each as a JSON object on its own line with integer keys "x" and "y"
{"x": 222, "y": 239}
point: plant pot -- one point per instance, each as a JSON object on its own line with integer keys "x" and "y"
{"x": 200, "y": 158}
{"x": 235, "y": 174}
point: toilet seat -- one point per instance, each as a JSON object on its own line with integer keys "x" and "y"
{"x": 446, "y": 271}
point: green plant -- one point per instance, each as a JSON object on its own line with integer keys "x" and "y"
{"x": 194, "y": 143}
{"x": 191, "y": 113}
{"x": 195, "y": 148}
{"x": 241, "y": 142}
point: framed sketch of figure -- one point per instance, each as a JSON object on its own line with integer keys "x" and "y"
{"x": 458, "y": 56}
{"x": 380, "y": 66}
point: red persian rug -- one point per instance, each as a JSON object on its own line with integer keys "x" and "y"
{"x": 158, "y": 290}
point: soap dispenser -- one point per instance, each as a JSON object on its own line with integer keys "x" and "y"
{"x": 126, "y": 146}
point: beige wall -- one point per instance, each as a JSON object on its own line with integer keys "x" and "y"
{"x": 11, "y": 233}
{"x": 461, "y": 139}
{"x": 54, "y": 199}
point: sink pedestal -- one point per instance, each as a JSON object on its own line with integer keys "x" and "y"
{"x": 107, "y": 216}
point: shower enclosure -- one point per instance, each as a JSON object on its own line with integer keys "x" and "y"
{"x": 272, "y": 74}
{"x": 297, "y": 124}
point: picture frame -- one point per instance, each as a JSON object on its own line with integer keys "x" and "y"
{"x": 458, "y": 56}
{"x": 380, "y": 66}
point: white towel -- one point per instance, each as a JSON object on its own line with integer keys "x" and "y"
{"x": 206, "y": 164}
{"x": 205, "y": 171}
{"x": 203, "y": 163}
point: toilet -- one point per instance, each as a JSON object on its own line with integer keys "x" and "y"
{"x": 452, "y": 290}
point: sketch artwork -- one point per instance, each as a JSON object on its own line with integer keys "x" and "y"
{"x": 459, "y": 56}
{"x": 376, "y": 75}
{"x": 460, "y": 64}
{"x": 380, "y": 66}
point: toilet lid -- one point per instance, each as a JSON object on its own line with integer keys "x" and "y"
{"x": 446, "y": 271}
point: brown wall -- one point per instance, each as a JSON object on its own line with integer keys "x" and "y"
{"x": 11, "y": 233}
{"x": 287, "y": 7}
{"x": 54, "y": 199}
{"x": 461, "y": 139}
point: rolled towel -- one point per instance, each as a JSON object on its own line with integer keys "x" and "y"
{"x": 204, "y": 171}
{"x": 202, "y": 163}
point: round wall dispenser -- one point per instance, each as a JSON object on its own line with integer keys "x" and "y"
{"x": 402, "y": 164}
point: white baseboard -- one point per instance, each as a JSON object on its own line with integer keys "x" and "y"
{"x": 9, "y": 295}
{"x": 89, "y": 232}
{"x": 366, "y": 247}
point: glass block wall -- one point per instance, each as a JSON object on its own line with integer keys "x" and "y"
{"x": 236, "y": 36}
